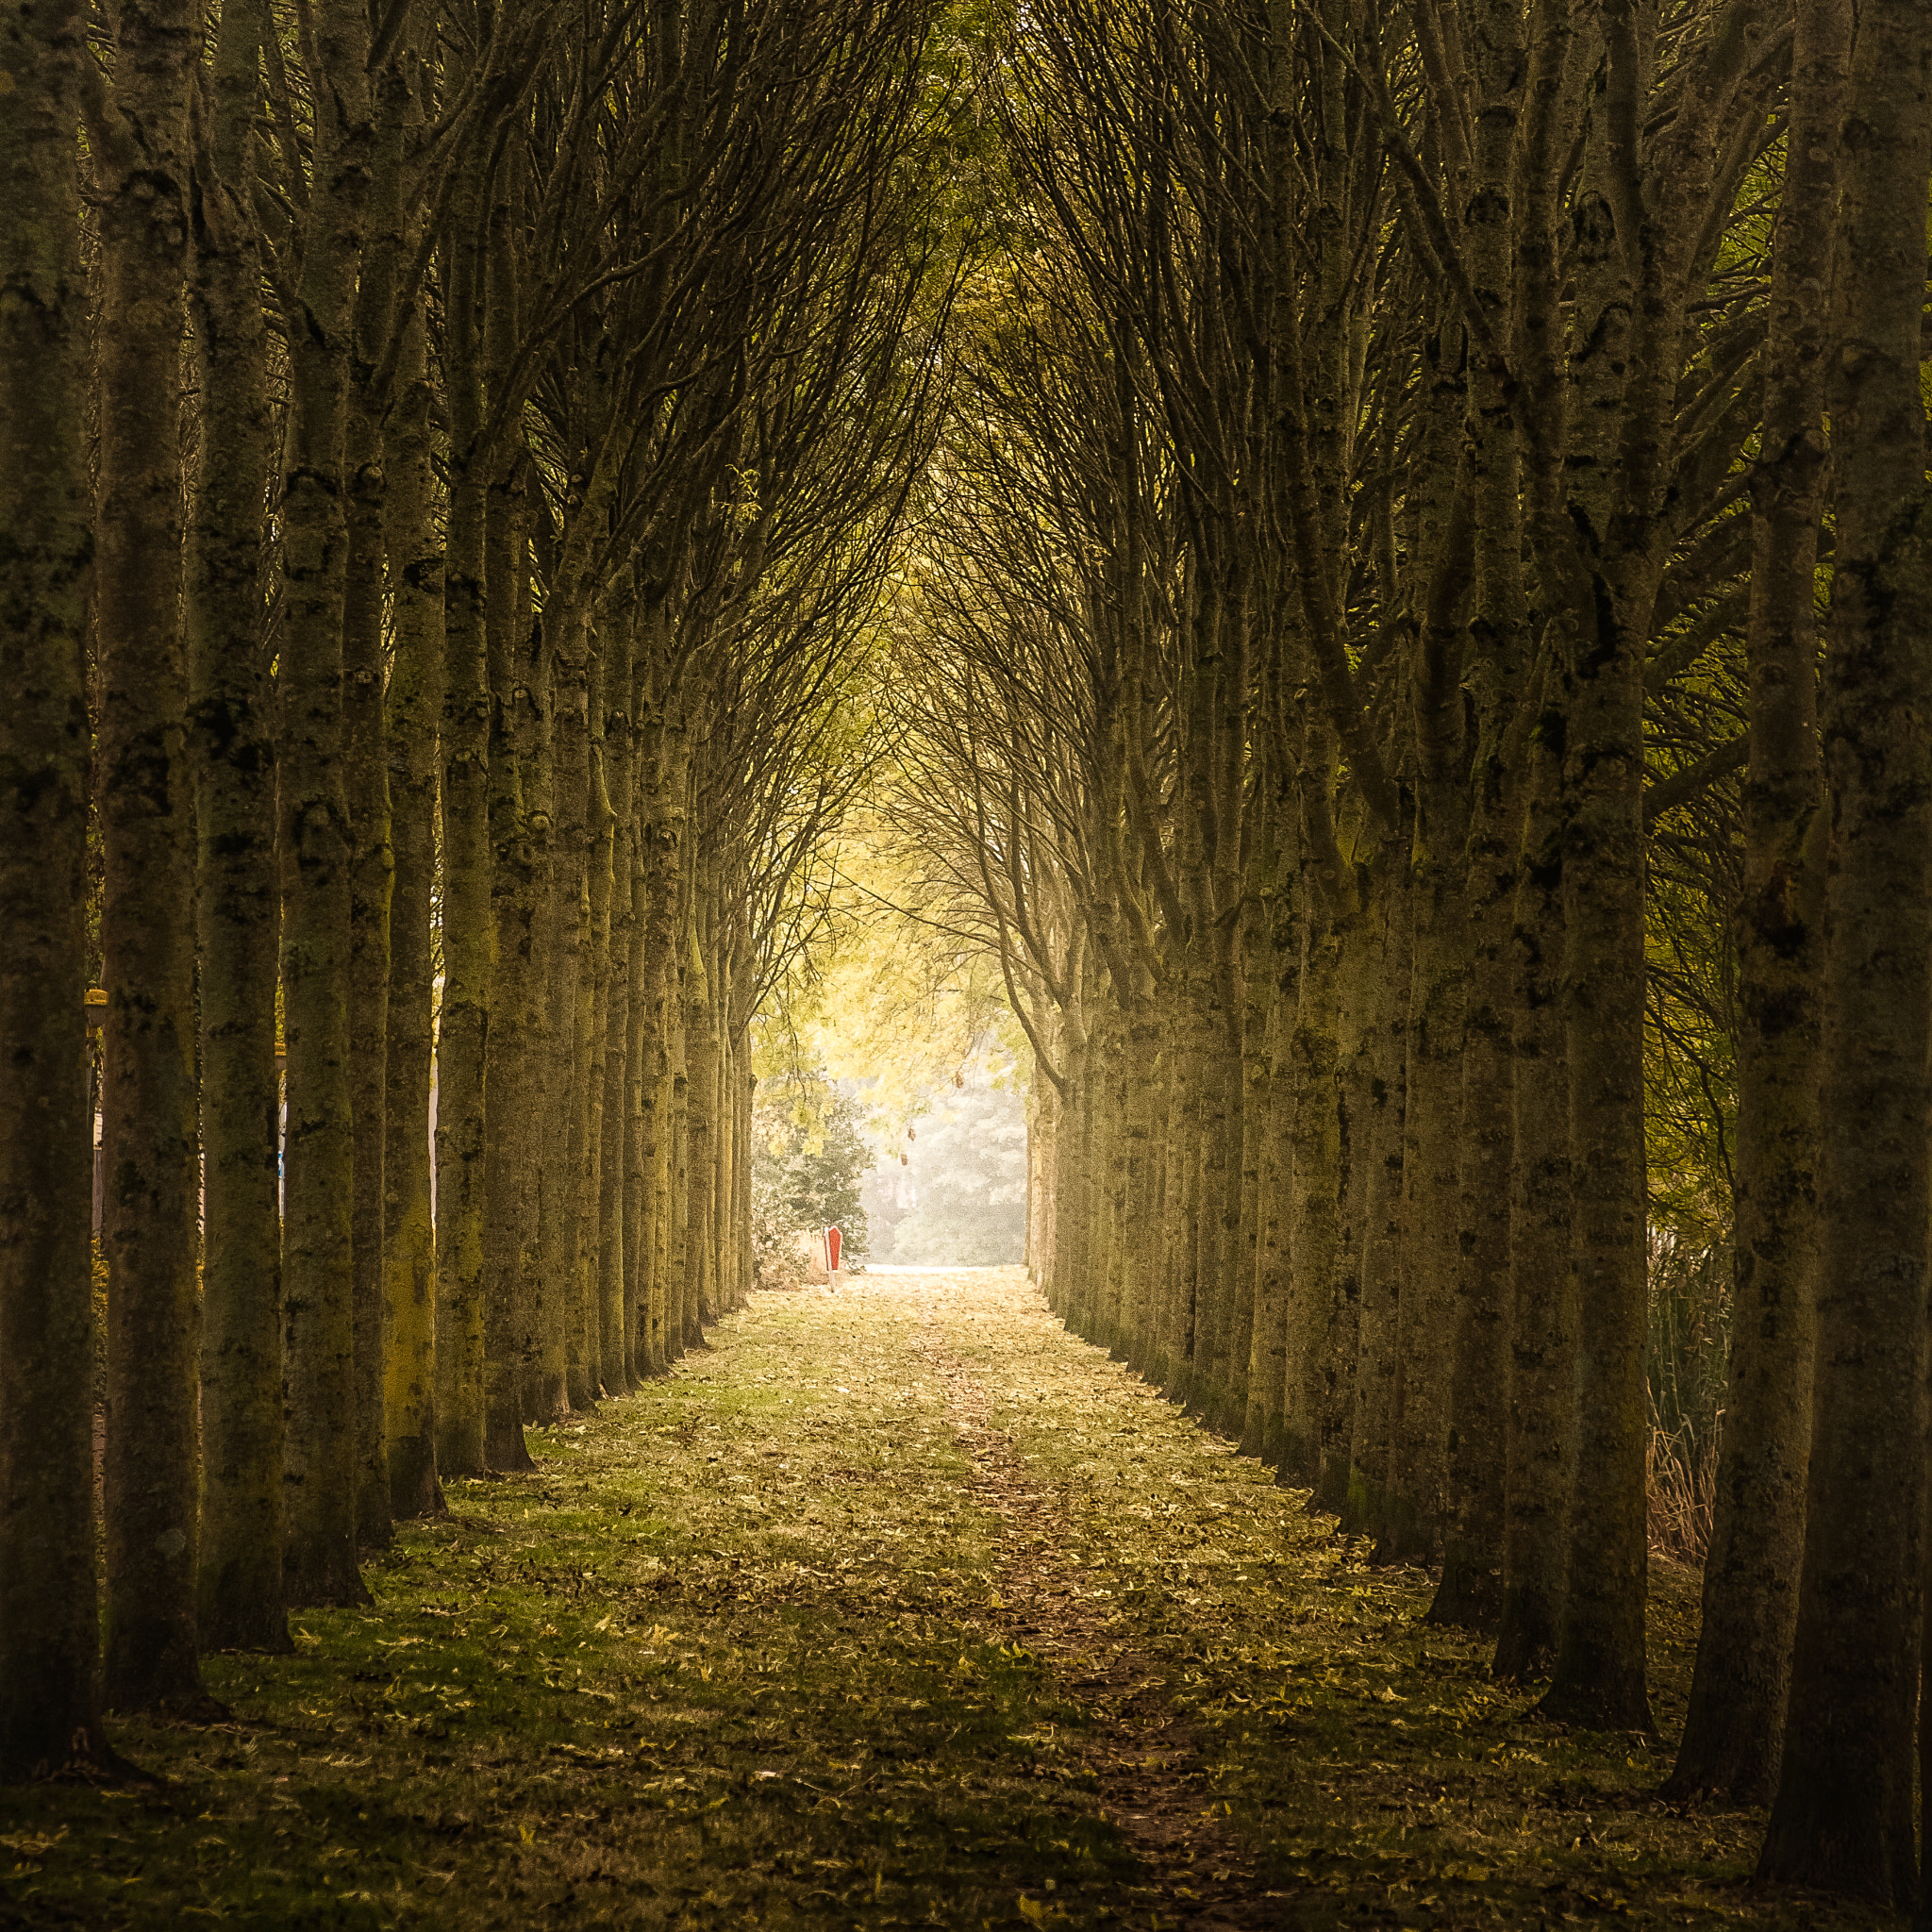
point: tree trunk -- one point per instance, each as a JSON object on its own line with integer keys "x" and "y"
{"x": 415, "y": 702}
{"x": 640, "y": 1097}
{"x": 462, "y": 1030}
{"x": 317, "y": 1267}
{"x": 593, "y": 1031}
{"x": 49, "y": 1604}
{"x": 1315, "y": 1225}
{"x": 1384, "y": 1138}
{"x": 701, "y": 1140}
{"x": 1221, "y": 1392}
{"x": 1843, "y": 1818}
{"x": 616, "y": 1235}
{"x": 564, "y": 916}
{"x": 1541, "y": 1388}
{"x": 1471, "y": 1593}
{"x": 1600, "y": 1676}
{"x": 231, "y": 726}
{"x": 1432, "y": 1117}
{"x": 1495, "y": 669}
{"x": 365, "y": 775}
{"x": 1273, "y": 1129}
{"x": 520, "y": 834}
{"x": 1187, "y": 1056}
{"x": 1337, "y": 1354}
{"x": 1733, "y": 1729}
{"x": 149, "y": 1126}
{"x": 1042, "y": 1143}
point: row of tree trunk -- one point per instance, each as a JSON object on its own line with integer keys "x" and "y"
{"x": 449, "y": 461}
{"x": 1381, "y": 545}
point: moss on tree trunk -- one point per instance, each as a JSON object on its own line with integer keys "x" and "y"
{"x": 49, "y": 1614}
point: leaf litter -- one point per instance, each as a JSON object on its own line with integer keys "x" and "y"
{"x": 895, "y": 1605}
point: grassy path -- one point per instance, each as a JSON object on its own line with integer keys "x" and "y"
{"x": 898, "y": 1607}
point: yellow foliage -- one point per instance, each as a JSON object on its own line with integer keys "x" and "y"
{"x": 894, "y": 999}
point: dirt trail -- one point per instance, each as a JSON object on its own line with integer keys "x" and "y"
{"x": 1143, "y": 1754}
{"x": 895, "y": 1606}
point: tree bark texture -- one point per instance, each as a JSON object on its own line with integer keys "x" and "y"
{"x": 318, "y": 1258}
{"x": 49, "y": 1610}
{"x": 1844, "y": 1819}
{"x": 415, "y": 700}
{"x": 150, "y": 1125}
{"x": 1734, "y": 1727}
{"x": 232, "y": 735}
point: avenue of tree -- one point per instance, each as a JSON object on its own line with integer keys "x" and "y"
{"x": 1373, "y": 592}
{"x": 449, "y": 462}
{"x": 1370, "y": 559}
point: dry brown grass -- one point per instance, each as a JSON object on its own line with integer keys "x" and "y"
{"x": 1681, "y": 1467}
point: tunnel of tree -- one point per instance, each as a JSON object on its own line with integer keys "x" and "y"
{"x": 1335, "y": 591}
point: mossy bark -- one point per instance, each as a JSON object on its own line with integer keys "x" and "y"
{"x": 1227, "y": 1310}
{"x": 650, "y": 1103}
{"x": 1042, "y": 1144}
{"x": 49, "y": 1604}
{"x": 231, "y": 737}
{"x": 1272, "y": 1127}
{"x": 1599, "y": 632}
{"x": 415, "y": 699}
{"x": 520, "y": 835}
{"x": 639, "y": 1090}
{"x": 318, "y": 1263}
{"x": 661, "y": 827}
{"x": 1383, "y": 1138}
{"x": 463, "y": 746}
{"x": 1315, "y": 1223}
{"x": 1126, "y": 1163}
{"x": 700, "y": 1108}
{"x": 1272, "y": 965}
{"x": 1734, "y": 1727}
{"x": 616, "y": 1232}
{"x": 1844, "y": 1819}
{"x": 1258, "y": 1038}
{"x": 1071, "y": 1195}
{"x": 384, "y": 269}
{"x": 677, "y": 1316}
{"x": 1432, "y": 1110}
{"x": 564, "y": 916}
{"x": 1185, "y": 1053}
{"x": 1539, "y": 1388}
{"x": 150, "y": 1130}
{"x": 1337, "y": 1359}
{"x": 1490, "y": 697}
{"x": 593, "y": 1032}
{"x": 1537, "y": 1455}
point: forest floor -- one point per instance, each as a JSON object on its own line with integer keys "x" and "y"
{"x": 897, "y": 1606}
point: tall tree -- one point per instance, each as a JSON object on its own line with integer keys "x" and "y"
{"x": 318, "y": 1263}
{"x": 463, "y": 754}
{"x": 150, "y": 1118}
{"x": 1844, "y": 1817}
{"x": 413, "y": 545}
{"x": 1734, "y": 1727}
{"x": 49, "y": 1614}
{"x": 232, "y": 737}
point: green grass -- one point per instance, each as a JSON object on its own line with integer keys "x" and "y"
{"x": 734, "y": 1654}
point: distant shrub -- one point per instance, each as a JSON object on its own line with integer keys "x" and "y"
{"x": 809, "y": 1157}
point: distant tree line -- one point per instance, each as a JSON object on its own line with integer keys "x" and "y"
{"x": 449, "y": 458}
{"x": 956, "y": 1197}
{"x": 1422, "y": 643}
